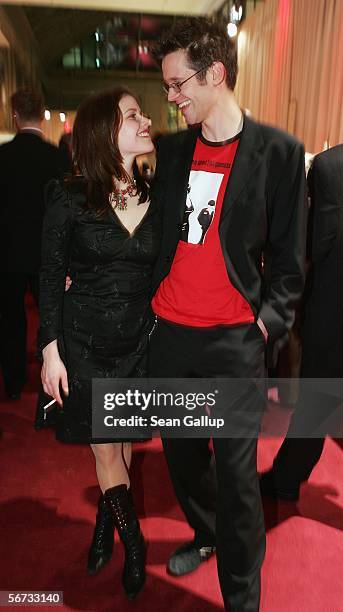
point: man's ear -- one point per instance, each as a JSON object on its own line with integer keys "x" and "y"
{"x": 16, "y": 119}
{"x": 218, "y": 72}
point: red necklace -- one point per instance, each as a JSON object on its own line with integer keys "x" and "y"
{"x": 118, "y": 197}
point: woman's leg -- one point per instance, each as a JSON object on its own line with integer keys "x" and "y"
{"x": 127, "y": 452}
{"x": 112, "y": 465}
{"x": 112, "y": 462}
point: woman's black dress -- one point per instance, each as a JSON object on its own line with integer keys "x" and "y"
{"x": 102, "y": 323}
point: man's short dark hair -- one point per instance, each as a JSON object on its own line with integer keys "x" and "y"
{"x": 205, "y": 42}
{"x": 29, "y": 104}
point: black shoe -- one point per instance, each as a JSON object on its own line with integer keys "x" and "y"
{"x": 188, "y": 557}
{"x": 119, "y": 500}
{"x": 269, "y": 489}
{"x": 101, "y": 548}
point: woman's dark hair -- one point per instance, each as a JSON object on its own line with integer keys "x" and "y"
{"x": 204, "y": 41}
{"x": 95, "y": 148}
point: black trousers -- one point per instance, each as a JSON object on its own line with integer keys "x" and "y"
{"x": 304, "y": 443}
{"x": 13, "y": 326}
{"x": 218, "y": 494}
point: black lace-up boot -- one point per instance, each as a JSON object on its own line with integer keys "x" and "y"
{"x": 119, "y": 500}
{"x": 101, "y": 548}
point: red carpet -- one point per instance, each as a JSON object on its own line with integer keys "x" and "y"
{"x": 48, "y": 497}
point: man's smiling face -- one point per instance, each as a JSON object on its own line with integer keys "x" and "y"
{"x": 196, "y": 99}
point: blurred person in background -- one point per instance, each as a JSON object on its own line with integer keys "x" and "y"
{"x": 322, "y": 332}
{"x": 100, "y": 228}
{"x": 65, "y": 146}
{"x": 27, "y": 163}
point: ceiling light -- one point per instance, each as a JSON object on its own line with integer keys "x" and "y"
{"x": 232, "y": 30}
{"x": 236, "y": 14}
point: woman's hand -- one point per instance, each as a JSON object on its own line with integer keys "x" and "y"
{"x": 54, "y": 372}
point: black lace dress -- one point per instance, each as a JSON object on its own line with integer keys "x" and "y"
{"x": 102, "y": 323}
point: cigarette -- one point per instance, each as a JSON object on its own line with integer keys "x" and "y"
{"x": 49, "y": 404}
{"x": 45, "y": 408}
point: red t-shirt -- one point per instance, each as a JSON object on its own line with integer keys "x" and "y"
{"x": 197, "y": 292}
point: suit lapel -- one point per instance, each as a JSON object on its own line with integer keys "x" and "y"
{"x": 247, "y": 158}
{"x": 181, "y": 163}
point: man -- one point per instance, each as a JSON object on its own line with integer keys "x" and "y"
{"x": 27, "y": 163}
{"x": 214, "y": 311}
{"x": 322, "y": 334}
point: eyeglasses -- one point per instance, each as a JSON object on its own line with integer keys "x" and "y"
{"x": 177, "y": 86}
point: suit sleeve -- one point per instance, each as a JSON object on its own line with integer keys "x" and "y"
{"x": 2, "y": 187}
{"x": 158, "y": 185}
{"x": 286, "y": 246}
{"x": 325, "y": 212}
{"x": 57, "y": 230}
{"x": 158, "y": 192}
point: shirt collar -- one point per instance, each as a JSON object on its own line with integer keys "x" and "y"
{"x": 31, "y": 128}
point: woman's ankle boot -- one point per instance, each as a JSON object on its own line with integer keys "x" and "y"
{"x": 119, "y": 500}
{"x": 101, "y": 548}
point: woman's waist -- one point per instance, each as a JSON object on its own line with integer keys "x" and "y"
{"x": 111, "y": 328}
{"x": 106, "y": 307}
{"x": 114, "y": 289}
{"x": 108, "y": 296}
{"x": 107, "y": 272}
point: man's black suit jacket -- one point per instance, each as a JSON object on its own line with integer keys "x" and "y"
{"x": 27, "y": 163}
{"x": 263, "y": 217}
{"x": 323, "y": 309}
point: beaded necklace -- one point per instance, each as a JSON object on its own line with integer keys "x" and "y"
{"x": 118, "y": 198}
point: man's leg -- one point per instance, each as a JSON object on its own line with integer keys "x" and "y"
{"x": 192, "y": 471}
{"x": 173, "y": 352}
{"x": 13, "y": 331}
{"x": 240, "y": 524}
{"x": 236, "y": 354}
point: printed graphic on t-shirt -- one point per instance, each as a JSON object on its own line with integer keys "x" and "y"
{"x": 202, "y": 194}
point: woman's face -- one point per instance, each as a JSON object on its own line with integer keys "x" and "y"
{"x": 134, "y": 134}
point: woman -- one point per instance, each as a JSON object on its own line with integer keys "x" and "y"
{"x": 100, "y": 227}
